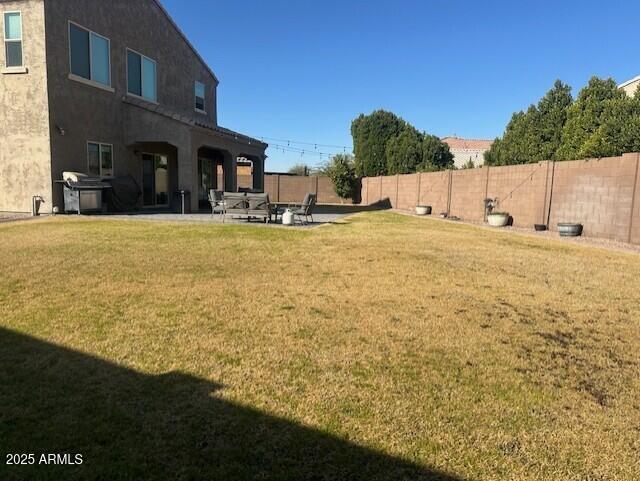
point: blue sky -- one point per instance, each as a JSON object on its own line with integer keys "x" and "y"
{"x": 302, "y": 70}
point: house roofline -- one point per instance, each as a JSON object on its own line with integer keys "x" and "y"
{"x": 624, "y": 84}
{"x": 187, "y": 41}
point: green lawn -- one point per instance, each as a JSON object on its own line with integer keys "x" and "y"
{"x": 385, "y": 347}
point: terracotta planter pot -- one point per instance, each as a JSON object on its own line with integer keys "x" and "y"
{"x": 423, "y": 210}
{"x": 498, "y": 220}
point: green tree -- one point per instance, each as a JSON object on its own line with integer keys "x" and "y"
{"x": 468, "y": 165}
{"x": 518, "y": 144}
{"x": 585, "y": 116}
{"x": 534, "y": 135}
{"x": 619, "y": 130}
{"x": 300, "y": 169}
{"x": 404, "y": 152}
{"x": 370, "y": 136}
{"x": 552, "y": 116}
{"x": 341, "y": 171}
{"x": 436, "y": 155}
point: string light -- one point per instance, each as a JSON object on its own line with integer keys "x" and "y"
{"x": 299, "y": 142}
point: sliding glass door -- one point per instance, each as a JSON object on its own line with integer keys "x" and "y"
{"x": 155, "y": 180}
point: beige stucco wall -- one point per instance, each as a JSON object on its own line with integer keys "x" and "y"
{"x": 462, "y": 156}
{"x": 25, "y": 168}
{"x": 631, "y": 88}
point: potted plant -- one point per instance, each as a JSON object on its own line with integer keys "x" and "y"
{"x": 570, "y": 229}
{"x": 498, "y": 219}
{"x": 423, "y": 210}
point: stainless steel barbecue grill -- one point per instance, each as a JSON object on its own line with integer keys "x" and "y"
{"x": 82, "y": 193}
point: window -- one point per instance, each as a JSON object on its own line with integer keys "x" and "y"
{"x": 100, "y": 159}
{"x": 13, "y": 39}
{"x": 90, "y": 55}
{"x": 200, "y": 97}
{"x": 141, "y": 76}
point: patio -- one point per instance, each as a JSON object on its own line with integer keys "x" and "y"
{"x": 322, "y": 215}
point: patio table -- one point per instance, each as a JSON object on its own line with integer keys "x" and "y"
{"x": 275, "y": 212}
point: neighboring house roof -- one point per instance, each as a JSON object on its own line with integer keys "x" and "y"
{"x": 184, "y": 37}
{"x": 629, "y": 82}
{"x": 467, "y": 144}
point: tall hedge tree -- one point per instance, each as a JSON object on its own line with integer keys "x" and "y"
{"x": 404, "y": 152}
{"x": 619, "y": 129}
{"x": 553, "y": 110}
{"x": 585, "y": 116}
{"x": 371, "y": 133}
{"x": 436, "y": 155}
{"x": 534, "y": 135}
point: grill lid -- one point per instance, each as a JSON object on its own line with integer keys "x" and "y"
{"x": 80, "y": 181}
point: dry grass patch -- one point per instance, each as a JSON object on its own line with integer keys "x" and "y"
{"x": 451, "y": 348}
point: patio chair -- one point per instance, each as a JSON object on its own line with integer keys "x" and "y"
{"x": 259, "y": 207}
{"x": 217, "y": 201}
{"x": 234, "y": 204}
{"x": 304, "y": 211}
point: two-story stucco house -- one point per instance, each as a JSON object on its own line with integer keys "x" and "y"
{"x": 109, "y": 88}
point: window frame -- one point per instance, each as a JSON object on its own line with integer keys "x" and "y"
{"x": 142, "y": 57}
{"x": 13, "y": 40}
{"x": 100, "y": 145}
{"x": 79, "y": 78}
{"x": 204, "y": 98}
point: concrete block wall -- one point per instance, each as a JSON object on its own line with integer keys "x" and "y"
{"x": 407, "y": 194}
{"x": 634, "y": 229}
{"x": 292, "y": 188}
{"x": 597, "y": 193}
{"x": 602, "y": 194}
{"x": 468, "y": 191}
{"x": 434, "y": 190}
{"x": 521, "y": 190}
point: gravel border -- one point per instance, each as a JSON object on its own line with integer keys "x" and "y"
{"x": 608, "y": 244}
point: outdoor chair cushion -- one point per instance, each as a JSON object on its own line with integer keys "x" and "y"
{"x": 258, "y": 204}
{"x": 235, "y": 203}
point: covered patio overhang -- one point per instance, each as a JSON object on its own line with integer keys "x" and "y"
{"x": 205, "y": 156}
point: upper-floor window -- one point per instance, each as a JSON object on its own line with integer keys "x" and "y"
{"x": 90, "y": 55}
{"x": 13, "y": 39}
{"x": 100, "y": 159}
{"x": 142, "y": 78}
{"x": 200, "y": 97}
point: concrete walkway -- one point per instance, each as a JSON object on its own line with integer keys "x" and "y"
{"x": 207, "y": 218}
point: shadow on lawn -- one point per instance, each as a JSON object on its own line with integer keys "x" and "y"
{"x": 129, "y": 425}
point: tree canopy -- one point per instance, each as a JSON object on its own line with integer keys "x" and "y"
{"x": 341, "y": 171}
{"x": 300, "y": 169}
{"x": 370, "y": 136}
{"x": 586, "y": 115}
{"x": 404, "y": 152}
{"x": 385, "y": 144}
{"x": 534, "y": 135}
{"x": 603, "y": 121}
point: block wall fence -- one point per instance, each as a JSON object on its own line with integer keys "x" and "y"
{"x": 602, "y": 194}
{"x": 293, "y": 188}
